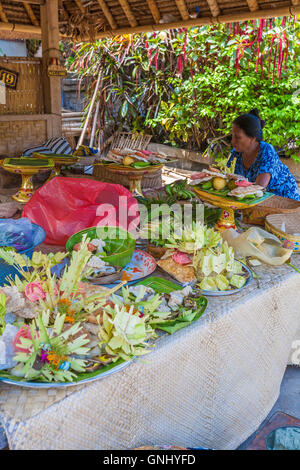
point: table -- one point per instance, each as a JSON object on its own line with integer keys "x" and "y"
{"x": 211, "y": 384}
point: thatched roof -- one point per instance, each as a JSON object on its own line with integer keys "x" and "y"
{"x": 100, "y": 18}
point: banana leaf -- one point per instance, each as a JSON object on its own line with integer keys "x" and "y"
{"x": 183, "y": 320}
{"x": 119, "y": 244}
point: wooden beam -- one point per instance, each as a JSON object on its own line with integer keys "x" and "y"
{"x": 127, "y": 10}
{"x": 21, "y": 28}
{"x": 214, "y": 7}
{"x": 50, "y": 50}
{"x": 80, "y": 6}
{"x": 154, "y": 10}
{"x": 193, "y": 22}
{"x": 253, "y": 5}
{"x": 33, "y": 2}
{"x": 183, "y": 9}
{"x": 31, "y": 14}
{"x": 3, "y": 16}
{"x": 107, "y": 14}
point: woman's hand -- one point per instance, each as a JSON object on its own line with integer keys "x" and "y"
{"x": 263, "y": 179}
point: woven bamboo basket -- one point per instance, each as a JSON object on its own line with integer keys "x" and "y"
{"x": 274, "y": 205}
{"x": 121, "y": 140}
{"x": 290, "y": 235}
{"x": 153, "y": 180}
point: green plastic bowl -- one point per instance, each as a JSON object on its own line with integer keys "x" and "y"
{"x": 119, "y": 243}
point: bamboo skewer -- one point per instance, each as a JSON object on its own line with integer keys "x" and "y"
{"x": 99, "y": 80}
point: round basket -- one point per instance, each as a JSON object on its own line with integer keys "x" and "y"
{"x": 275, "y": 205}
{"x": 274, "y": 224}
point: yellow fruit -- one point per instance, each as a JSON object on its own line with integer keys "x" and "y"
{"x": 128, "y": 160}
{"x": 231, "y": 184}
{"x": 218, "y": 183}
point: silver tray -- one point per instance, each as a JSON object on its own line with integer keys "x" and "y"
{"x": 100, "y": 375}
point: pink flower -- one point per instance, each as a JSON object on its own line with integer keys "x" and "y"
{"x": 288, "y": 245}
{"x": 181, "y": 258}
{"x": 34, "y": 291}
{"x": 24, "y": 332}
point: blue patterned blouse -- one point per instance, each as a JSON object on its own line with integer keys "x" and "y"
{"x": 282, "y": 182}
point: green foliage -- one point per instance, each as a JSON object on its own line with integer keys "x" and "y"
{"x": 187, "y": 86}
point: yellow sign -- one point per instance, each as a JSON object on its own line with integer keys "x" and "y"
{"x": 57, "y": 71}
{"x": 9, "y": 78}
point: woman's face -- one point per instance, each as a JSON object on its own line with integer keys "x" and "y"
{"x": 241, "y": 141}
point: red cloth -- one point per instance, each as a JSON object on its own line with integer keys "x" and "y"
{"x": 65, "y": 206}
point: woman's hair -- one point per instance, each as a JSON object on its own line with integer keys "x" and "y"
{"x": 251, "y": 124}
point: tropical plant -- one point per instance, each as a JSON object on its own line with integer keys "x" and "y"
{"x": 187, "y": 86}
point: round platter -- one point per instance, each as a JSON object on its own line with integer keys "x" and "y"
{"x": 90, "y": 377}
{"x": 215, "y": 293}
{"x": 141, "y": 265}
{"x": 228, "y": 202}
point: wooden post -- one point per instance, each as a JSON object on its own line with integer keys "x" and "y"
{"x": 50, "y": 48}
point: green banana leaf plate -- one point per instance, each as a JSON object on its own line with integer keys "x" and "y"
{"x": 163, "y": 286}
{"x": 119, "y": 244}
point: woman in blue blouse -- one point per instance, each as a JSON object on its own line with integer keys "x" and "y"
{"x": 259, "y": 161}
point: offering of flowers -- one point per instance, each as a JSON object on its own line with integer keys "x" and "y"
{"x": 225, "y": 183}
{"x": 136, "y": 158}
{"x": 62, "y": 329}
{"x": 97, "y": 268}
{"x": 198, "y": 255}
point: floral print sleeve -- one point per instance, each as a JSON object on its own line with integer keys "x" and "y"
{"x": 282, "y": 182}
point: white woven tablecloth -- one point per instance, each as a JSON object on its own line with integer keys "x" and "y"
{"x": 210, "y": 384}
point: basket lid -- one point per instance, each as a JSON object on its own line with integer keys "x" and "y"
{"x": 287, "y": 223}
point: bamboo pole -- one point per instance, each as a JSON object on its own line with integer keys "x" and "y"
{"x": 253, "y": 5}
{"x": 154, "y": 10}
{"x": 99, "y": 80}
{"x": 94, "y": 124}
{"x": 129, "y": 15}
{"x": 107, "y": 14}
{"x": 3, "y": 16}
{"x": 181, "y": 5}
{"x": 193, "y": 22}
{"x": 214, "y": 7}
{"x": 31, "y": 14}
{"x": 21, "y": 28}
{"x": 34, "y": 2}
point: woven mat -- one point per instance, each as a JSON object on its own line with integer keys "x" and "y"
{"x": 221, "y": 341}
{"x": 22, "y": 403}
